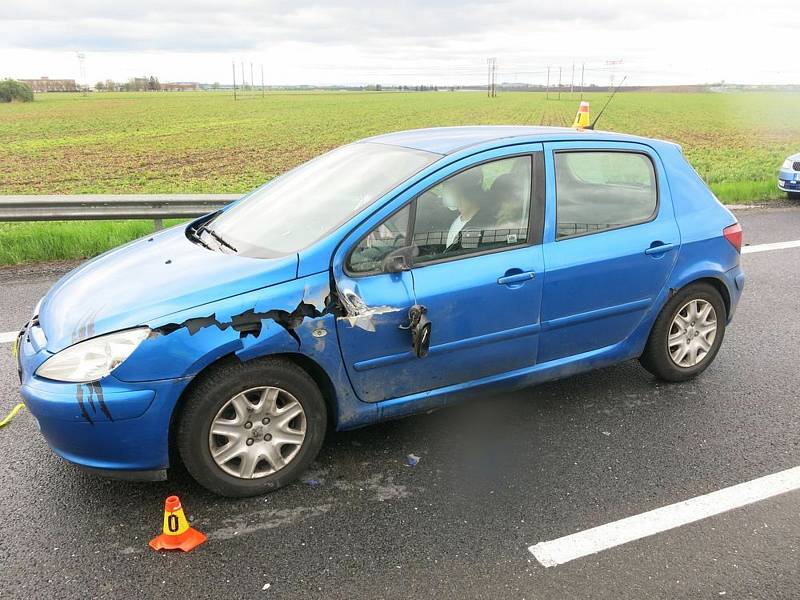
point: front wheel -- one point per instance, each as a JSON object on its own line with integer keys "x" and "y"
{"x": 687, "y": 334}
{"x": 793, "y": 195}
{"x": 251, "y": 428}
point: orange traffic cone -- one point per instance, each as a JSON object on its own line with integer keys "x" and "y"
{"x": 177, "y": 533}
{"x": 582, "y": 118}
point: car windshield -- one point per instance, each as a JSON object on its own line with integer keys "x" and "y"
{"x": 298, "y": 208}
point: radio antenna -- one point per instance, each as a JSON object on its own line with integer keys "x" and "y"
{"x": 610, "y": 98}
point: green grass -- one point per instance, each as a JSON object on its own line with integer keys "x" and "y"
{"x": 207, "y": 142}
{"x": 38, "y": 242}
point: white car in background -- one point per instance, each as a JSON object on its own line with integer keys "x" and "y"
{"x": 789, "y": 176}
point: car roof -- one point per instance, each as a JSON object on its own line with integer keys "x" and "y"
{"x": 447, "y": 140}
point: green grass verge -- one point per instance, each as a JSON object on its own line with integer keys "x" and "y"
{"x": 66, "y": 240}
{"x": 747, "y": 192}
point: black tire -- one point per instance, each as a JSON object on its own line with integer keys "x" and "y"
{"x": 209, "y": 394}
{"x": 793, "y": 195}
{"x": 656, "y": 357}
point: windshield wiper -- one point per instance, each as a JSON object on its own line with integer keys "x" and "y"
{"x": 196, "y": 236}
{"x": 216, "y": 236}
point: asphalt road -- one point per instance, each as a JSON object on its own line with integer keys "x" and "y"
{"x": 494, "y": 477}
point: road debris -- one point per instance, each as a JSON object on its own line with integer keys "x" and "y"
{"x": 412, "y": 460}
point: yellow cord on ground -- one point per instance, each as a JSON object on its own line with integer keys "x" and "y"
{"x": 12, "y": 414}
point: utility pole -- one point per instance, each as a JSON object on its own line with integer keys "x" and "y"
{"x": 559, "y": 83}
{"x": 244, "y": 81}
{"x": 262, "y": 80}
{"x": 81, "y": 58}
{"x": 252, "y": 86}
{"x": 491, "y": 81}
{"x": 233, "y": 65}
{"x": 583, "y": 67}
{"x": 613, "y": 64}
{"x": 547, "y": 92}
{"x": 572, "y": 80}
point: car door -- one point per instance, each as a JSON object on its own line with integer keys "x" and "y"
{"x": 610, "y": 242}
{"x": 477, "y": 273}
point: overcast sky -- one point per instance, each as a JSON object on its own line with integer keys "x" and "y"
{"x": 403, "y": 41}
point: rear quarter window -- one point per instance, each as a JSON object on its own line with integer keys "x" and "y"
{"x": 601, "y": 190}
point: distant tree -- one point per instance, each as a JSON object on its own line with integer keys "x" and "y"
{"x": 215, "y": 85}
{"x": 15, "y": 91}
{"x": 100, "y": 86}
{"x": 152, "y": 84}
{"x": 111, "y": 86}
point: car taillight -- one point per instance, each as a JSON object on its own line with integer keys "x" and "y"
{"x": 733, "y": 233}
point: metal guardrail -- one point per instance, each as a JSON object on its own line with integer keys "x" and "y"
{"x": 111, "y": 206}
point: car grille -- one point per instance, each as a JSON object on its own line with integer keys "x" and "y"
{"x": 796, "y": 165}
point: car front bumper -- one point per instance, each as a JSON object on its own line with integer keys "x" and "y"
{"x": 789, "y": 181}
{"x": 118, "y": 428}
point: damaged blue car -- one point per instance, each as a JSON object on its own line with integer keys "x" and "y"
{"x": 387, "y": 277}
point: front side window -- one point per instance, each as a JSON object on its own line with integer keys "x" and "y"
{"x": 596, "y": 191}
{"x": 369, "y": 254}
{"x": 486, "y": 207}
{"x": 300, "y": 207}
{"x": 483, "y": 208}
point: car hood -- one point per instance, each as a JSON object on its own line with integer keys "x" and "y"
{"x": 148, "y": 279}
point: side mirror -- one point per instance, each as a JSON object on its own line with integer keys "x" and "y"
{"x": 420, "y": 327}
{"x": 399, "y": 260}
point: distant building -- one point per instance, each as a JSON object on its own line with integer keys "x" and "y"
{"x": 45, "y": 84}
{"x": 181, "y": 86}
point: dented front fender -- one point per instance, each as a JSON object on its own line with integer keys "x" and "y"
{"x": 267, "y": 321}
{"x": 296, "y": 317}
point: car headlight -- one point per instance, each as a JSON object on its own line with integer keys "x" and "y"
{"x": 787, "y": 164}
{"x": 93, "y": 359}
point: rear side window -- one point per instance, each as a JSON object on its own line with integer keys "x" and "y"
{"x": 596, "y": 191}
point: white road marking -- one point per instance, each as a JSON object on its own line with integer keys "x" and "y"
{"x": 590, "y": 541}
{"x": 768, "y": 247}
{"x": 8, "y": 337}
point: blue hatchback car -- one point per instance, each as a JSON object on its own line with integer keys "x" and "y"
{"x": 384, "y": 278}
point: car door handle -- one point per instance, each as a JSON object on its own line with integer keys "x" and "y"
{"x": 658, "y": 248}
{"x": 516, "y": 278}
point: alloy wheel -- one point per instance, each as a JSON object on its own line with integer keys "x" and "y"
{"x": 257, "y": 432}
{"x": 692, "y": 333}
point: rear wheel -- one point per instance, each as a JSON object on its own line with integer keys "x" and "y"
{"x": 251, "y": 428}
{"x": 687, "y": 334}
